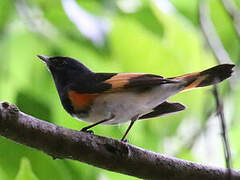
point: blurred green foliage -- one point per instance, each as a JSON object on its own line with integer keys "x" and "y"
{"x": 142, "y": 36}
{"x": 25, "y": 171}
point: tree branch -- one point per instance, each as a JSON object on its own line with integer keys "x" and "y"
{"x": 102, "y": 152}
{"x": 234, "y": 13}
{"x": 218, "y": 50}
{"x": 221, "y": 56}
{"x": 99, "y": 151}
{"x": 224, "y": 132}
{"x": 210, "y": 33}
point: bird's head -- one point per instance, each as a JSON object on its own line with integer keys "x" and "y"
{"x": 60, "y": 64}
{"x": 65, "y": 69}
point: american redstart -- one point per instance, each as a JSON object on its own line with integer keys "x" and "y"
{"x": 114, "y": 98}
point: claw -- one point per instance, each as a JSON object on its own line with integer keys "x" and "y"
{"x": 90, "y": 131}
{"x": 87, "y": 131}
{"x": 125, "y": 140}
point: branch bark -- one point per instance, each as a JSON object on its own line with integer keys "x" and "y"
{"x": 102, "y": 152}
{"x": 224, "y": 131}
{"x": 234, "y": 13}
{"x": 210, "y": 33}
{"x": 218, "y": 50}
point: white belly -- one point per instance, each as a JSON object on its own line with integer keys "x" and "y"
{"x": 125, "y": 105}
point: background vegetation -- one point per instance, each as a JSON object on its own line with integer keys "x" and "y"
{"x": 162, "y": 37}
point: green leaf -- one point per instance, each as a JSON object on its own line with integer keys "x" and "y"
{"x": 6, "y": 9}
{"x": 25, "y": 171}
{"x": 188, "y": 8}
{"x": 3, "y": 174}
{"x": 224, "y": 26}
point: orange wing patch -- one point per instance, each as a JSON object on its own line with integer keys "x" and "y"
{"x": 120, "y": 80}
{"x": 79, "y": 100}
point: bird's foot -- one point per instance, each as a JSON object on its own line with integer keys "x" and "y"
{"x": 125, "y": 140}
{"x": 87, "y": 131}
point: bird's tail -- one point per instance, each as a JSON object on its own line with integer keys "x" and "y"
{"x": 208, "y": 77}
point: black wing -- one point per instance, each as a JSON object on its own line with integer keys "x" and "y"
{"x": 125, "y": 81}
{"x": 112, "y": 82}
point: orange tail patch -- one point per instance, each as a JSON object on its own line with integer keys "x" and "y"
{"x": 208, "y": 77}
{"x": 196, "y": 83}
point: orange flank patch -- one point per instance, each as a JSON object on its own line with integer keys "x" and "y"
{"x": 120, "y": 80}
{"x": 79, "y": 100}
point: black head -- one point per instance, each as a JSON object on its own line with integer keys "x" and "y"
{"x": 62, "y": 64}
{"x": 65, "y": 69}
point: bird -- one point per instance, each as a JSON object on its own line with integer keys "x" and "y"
{"x": 116, "y": 98}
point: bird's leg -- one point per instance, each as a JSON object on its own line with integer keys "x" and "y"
{"x": 85, "y": 129}
{"x": 134, "y": 118}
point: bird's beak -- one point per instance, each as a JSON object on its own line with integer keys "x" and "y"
{"x": 44, "y": 58}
